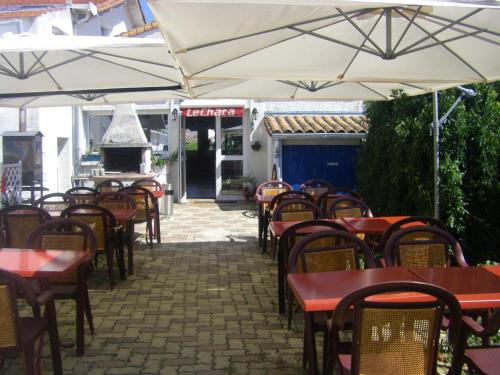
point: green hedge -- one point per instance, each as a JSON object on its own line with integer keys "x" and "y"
{"x": 395, "y": 167}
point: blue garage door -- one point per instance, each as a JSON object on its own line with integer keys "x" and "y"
{"x": 336, "y": 164}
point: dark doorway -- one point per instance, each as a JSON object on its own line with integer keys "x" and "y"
{"x": 200, "y": 157}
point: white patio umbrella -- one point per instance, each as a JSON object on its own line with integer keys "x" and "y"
{"x": 320, "y": 47}
{"x": 64, "y": 70}
{"x": 311, "y": 42}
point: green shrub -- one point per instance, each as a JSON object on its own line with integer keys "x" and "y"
{"x": 395, "y": 168}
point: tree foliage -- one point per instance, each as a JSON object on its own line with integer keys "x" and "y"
{"x": 395, "y": 169}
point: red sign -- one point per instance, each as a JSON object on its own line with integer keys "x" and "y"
{"x": 212, "y": 112}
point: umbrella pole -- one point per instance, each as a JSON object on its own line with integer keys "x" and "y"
{"x": 435, "y": 102}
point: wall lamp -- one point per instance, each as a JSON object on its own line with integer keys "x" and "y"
{"x": 255, "y": 113}
{"x": 175, "y": 114}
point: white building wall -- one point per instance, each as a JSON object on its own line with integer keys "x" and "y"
{"x": 110, "y": 23}
{"x": 9, "y": 121}
{"x": 54, "y": 123}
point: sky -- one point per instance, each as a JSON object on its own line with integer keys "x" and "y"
{"x": 147, "y": 12}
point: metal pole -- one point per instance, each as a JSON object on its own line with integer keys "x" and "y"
{"x": 435, "y": 100}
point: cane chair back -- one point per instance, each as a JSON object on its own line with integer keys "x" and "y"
{"x": 83, "y": 195}
{"x": 422, "y": 246}
{"x": 18, "y": 221}
{"x": 326, "y": 199}
{"x": 287, "y": 195}
{"x": 397, "y": 337}
{"x": 348, "y": 207}
{"x": 143, "y": 199}
{"x": 21, "y": 332}
{"x": 8, "y": 317}
{"x": 109, "y": 186}
{"x": 100, "y": 219}
{"x": 296, "y": 210}
{"x": 273, "y": 187}
{"x": 316, "y": 187}
{"x": 330, "y": 250}
{"x": 116, "y": 201}
{"x": 288, "y": 239}
{"x": 64, "y": 234}
{"x": 149, "y": 184}
{"x": 54, "y": 202}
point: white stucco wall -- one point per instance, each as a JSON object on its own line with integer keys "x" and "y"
{"x": 9, "y": 121}
{"x": 55, "y": 123}
{"x": 110, "y": 23}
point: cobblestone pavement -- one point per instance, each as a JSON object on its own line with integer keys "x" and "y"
{"x": 202, "y": 302}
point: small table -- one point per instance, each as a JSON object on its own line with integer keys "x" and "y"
{"x": 371, "y": 225}
{"x": 323, "y": 291}
{"x": 44, "y": 264}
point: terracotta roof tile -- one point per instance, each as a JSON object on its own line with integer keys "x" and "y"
{"x": 316, "y": 124}
{"x": 140, "y": 29}
{"x": 24, "y": 14}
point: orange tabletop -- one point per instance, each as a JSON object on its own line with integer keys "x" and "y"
{"x": 320, "y": 291}
{"x": 40, "y": 263}
{"x": 474, "y": 287}
{"x": 279, "y": 227}
{"x": 261, "y": 199}
{"x": 157, "y": 193}
{"x": 371, "y": 225}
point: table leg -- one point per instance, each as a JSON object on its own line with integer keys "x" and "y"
{"x": 54, "y": 338}
{"x": 310, "y": 343}
{"x": 130, "y": 254}
{"x": 121, "y": 254}
{"x": 80, "y": 305}
{"x": 157, "y": 221}
{"x": 259, "y": 217}
{"x": 281, "y": 282}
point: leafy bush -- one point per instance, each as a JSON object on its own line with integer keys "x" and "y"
{"x": 395, "y": 168}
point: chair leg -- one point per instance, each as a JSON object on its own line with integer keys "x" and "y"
{"x": 88, "y": 311}
{"x": 289, "y": 307}
{"x": 54, "y": 338}
{"x": 130, "y": 254}
{"x": 265, "y": 225}
{"x": 109, "y": 261}
{"x": 28, "y": 356}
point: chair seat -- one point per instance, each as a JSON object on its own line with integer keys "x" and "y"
{"x": 485, "y": 360}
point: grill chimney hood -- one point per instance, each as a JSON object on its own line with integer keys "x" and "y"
{"x": 125, "y": 129}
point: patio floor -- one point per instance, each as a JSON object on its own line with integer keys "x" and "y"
{"x": 202, "y": 302}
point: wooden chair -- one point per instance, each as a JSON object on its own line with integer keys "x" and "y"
{"x": 395, "y": 337}
{"x": 287, "y": 240}
{"x": 316, "y": 187}
{"x": 268, "y": 189}
{"x": 69, "y": 234}
{"x": 103, "y": 223}
{"x": 293, "y": 210}
{"x": 152, "y": 185}
{"x": 21, "y": 333}
{"x": 400, "y": 224}
{"x": 109, "y": 185}
{"x": 54, "y": 202}
{"x": 18, "y": 221}
{"x": 278, "y": 199}
{"x": 325, "y": 200}
{"x": 121, "y": 201}
{"x": 143, "y": 199}
{"x": 348, "y": 207}
{"x": 422, "y": 246}
{"x": 484, "y": 359}
{"x": 83, "y": 195}
{"x": 326, "y": 251}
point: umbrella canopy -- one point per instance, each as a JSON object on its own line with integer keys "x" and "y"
{"x": 84, "y": 68}
{"x": 313, "y": 44}
{"x": 260, "y": 89}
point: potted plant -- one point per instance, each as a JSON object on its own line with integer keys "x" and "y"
{"x": 248, "y": 185}
{"x": 162, "y": 164}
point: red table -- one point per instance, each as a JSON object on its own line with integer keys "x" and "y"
{"x": 371, "y": 225}
{"x": 43, "y": 264}
{"x": 279, "y": 227}
{"x": 474, "y": 287}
